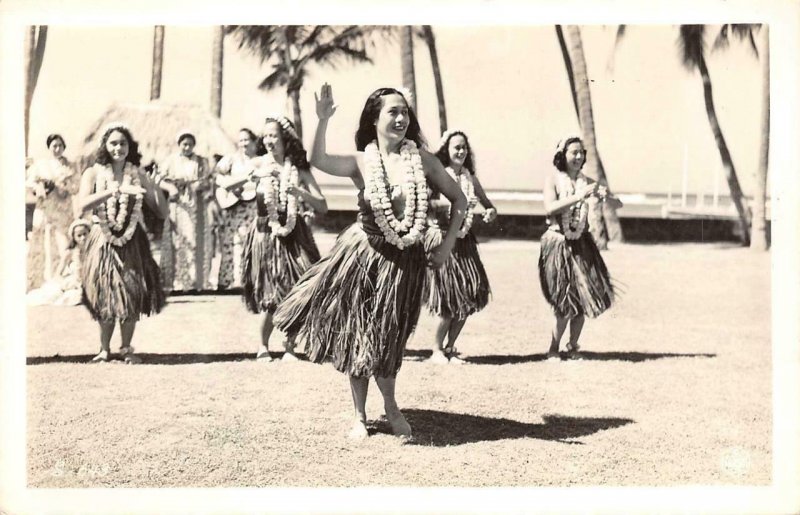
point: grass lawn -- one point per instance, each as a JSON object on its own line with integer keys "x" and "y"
{"x": 675, "y": 390}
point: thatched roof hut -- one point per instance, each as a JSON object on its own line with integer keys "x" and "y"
{"x": 155, "y": 127}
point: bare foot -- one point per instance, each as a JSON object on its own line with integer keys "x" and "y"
{"x": 102, "y": 357}
{"x": 289, "y": 356}
{"x": 400, "y": 426}
{"x": 129, "y": 357}
{"x": 358, "y": 431}
{"x": 455, "y": 360}
{"x": 263, "y": 355}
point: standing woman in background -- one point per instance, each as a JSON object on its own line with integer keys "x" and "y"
{"x": 120, "y": 279}
{"x": 185, "y": 176}
{"x": 358, "y": 306}
{"x": 572, "y": 273}
{"x": 53, "y": 182}
{"x": 235, "y": 193}
{"x": 459, "y": 288}
{"x": 279, "y": 246}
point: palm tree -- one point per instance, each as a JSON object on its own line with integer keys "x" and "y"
{"x": 158, "y": 62}
{"x": 291, "y": 48}
{"x": 33, "y": 58}
{"x": 603, "y": 220}
{"x": 758, "y": 235}
{"x": 691, "y": 42}
{"x": 430, "y": 40}
{"x": 217, "y": 54}
{"x": 407, "y": 62}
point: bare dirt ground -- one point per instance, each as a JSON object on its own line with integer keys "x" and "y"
{"x": 675, "y": 390}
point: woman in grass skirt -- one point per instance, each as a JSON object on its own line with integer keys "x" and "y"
{"x": 358, "y": 306}
{"x": 573, "y": 276}
{"x": 279, "y": 246}
{"x": 120, "y": 279}
{"x": 460, "y": 288}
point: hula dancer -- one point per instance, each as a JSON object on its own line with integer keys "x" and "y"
{"x": 460, "y": 288}
{"x": 358, "y": 306}
{"x": 120, "y": 279}
{"x": 572, "y": 273}
{"x": 279, "y": 246}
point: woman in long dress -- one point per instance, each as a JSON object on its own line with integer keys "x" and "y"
{"x": 279, "y": 247}
{"x": 358, "y": 306}
{"x": 460, "y": 288}
{"x": 54, "y": 182}
{"x": 572, "y": 273}
{"x": 235, "y": 193}
{"x": 185, "y": 176}
{"x": 120, "y": 280}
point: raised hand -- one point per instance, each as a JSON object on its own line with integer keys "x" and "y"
{"x": 325, "y": 104}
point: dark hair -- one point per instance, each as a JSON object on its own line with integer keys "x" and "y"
{"x": 372, "y": 108}
{"x": 292, "y": 146}
{"x": 560, "y": 160}
{"x": 260, "y": 148}
{"x": 104, "y": 158}
{"x": 444, "y": 152}
{"x": 187, "y": 135}
{"x": 51, "y": 138}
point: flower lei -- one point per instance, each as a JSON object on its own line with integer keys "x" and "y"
{"x": 408, "y": 231}
{"x": 573, "y": 220}
{"x": 109, "y": 217}
{"x": 279, "y": 184}
{"x": 465, "y": 182}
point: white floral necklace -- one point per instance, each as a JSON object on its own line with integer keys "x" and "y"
{"x": 408, "y": 231}
{"x": 573, "y": 219}
{"x": 277, "y": 184}
{"x": 109, "y": 217}
{"x": 465, "y": 182}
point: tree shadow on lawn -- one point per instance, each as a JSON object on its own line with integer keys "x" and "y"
{"x": 632, "y": 356}
{"x": 157, "y": 359}
{"x": 441, "y": 429}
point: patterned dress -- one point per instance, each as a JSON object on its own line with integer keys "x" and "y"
{"x": 188, "y": 243}
{"x": 358, "y": 306}
{"x": 572, "y": 274}
{"x": 236, "y": 222}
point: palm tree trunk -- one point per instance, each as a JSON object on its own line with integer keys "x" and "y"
{"x": 407, "y": 63}
{"x": 602, "y": 227}
{"x": 294, "y": 96}
{"x": 724, "y": 154}
{"x": 158, "y": 62}
{"x": 568, "y": 65}
{"x": 34, "y": 56}
{"x": 437, "y": 76}
{"x": 217, "y": 55}
{"x": 758, "y": 236}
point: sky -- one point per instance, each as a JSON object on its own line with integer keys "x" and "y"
{"x": 505, "y": 85}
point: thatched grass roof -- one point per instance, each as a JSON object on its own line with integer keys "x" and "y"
{"x": 155, "y": 127}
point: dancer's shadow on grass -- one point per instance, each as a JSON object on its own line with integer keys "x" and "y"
{"x": 158, "y": 359}
{"x": 631, "y": 356}
{"x": 440, "y": 428}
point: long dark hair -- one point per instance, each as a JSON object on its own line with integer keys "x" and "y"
{"x": 444, "y": 152}
{"x": 372, "y": 107}
{"x": 292, "y": 146}
{"x": 104, "y": 158}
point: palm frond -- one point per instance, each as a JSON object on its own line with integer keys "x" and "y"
{"x": 691, "y": 45}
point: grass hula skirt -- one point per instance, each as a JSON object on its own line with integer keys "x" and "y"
{"x": 271, "y": 265}
{"x": 120, "y": 282}
{"x": 573, "y": 275}
{"x": 358, "y": 306}
{"x": 460, "y": 287}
